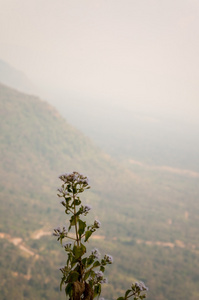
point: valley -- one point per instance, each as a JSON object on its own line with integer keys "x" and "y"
{"x": 149, "y": 211}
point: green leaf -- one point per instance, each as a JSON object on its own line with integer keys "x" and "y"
{"x": 62, "y": 281}
{"x": 87, "y": 235}
{"x": 90, "y": 260}
{"x": 73, "y": 220}
{"x": 75, "y": 250}
{"x": 102, "y": 269}
{"x": 92, "y": 273}
{"x": 83, "y": 248}
{"x": 97, "y": 290}
{"x": 74, "y": 190}
{"x": 69, "y": 260}
{"x": 73, "y": 262}
{"x": 69, "y": 188}
{"x": 73, "y": 276}
{"x": 96, "y": 264}
{"x": 86, "y": 275}
{"x": 68, "y": 289}
{"x": 77, "y": 202}
{"x": 120, "y": 298}
{"x": 82, "y": 226}
{"x": 78, "y": 251}
{"x": 127, "y": 293}
{"x": 84, "y": 261}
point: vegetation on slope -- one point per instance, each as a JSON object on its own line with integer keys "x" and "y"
{"x": 149, "y": 217}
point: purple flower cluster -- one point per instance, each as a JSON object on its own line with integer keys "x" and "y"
{"x": 108, "y": 259}
{"x": 104, "y": 280}
{"x": 95, "y": 253}
{"x": 99, "y": 275}
{"x": 67, "y": 245}
{"x": 86, "y": 209}
{"x": 97, "y": 224}
{"x": 58, "y": 231}
{"x": 62, "y": 191}
{"x": 141, "y": 286}
{"x": 74, "y": 177}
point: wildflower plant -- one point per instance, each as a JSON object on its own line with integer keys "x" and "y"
{"x": 83, "y": 275}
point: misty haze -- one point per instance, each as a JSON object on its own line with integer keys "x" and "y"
{"x": 109, "y": 89}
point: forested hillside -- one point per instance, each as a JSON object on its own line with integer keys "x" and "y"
{"x": 149, "y": 216}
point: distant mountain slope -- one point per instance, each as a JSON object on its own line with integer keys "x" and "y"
{"x": 149, "y": 220}
{"x": 37, "y": 145}
{"x": 15, "y": 78}
{"x": 153, "y": 138}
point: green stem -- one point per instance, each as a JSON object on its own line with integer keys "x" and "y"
{"x": 71, "y": 238}
{"x": 130, "y": 295}
{"x": 70, "y": 210}
{"x": 76, "y": 230}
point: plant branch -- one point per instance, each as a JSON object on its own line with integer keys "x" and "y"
{"x": 75, "y": 216}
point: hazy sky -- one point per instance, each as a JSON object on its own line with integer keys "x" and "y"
{"x": 133, "y": 52}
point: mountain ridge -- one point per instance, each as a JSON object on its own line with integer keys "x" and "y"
{"x": 15, "y": 78}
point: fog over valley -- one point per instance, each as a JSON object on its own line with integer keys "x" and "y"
{"x": 108, "y": 89}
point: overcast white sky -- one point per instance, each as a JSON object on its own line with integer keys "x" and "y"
{"x": 134, "y": 52}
